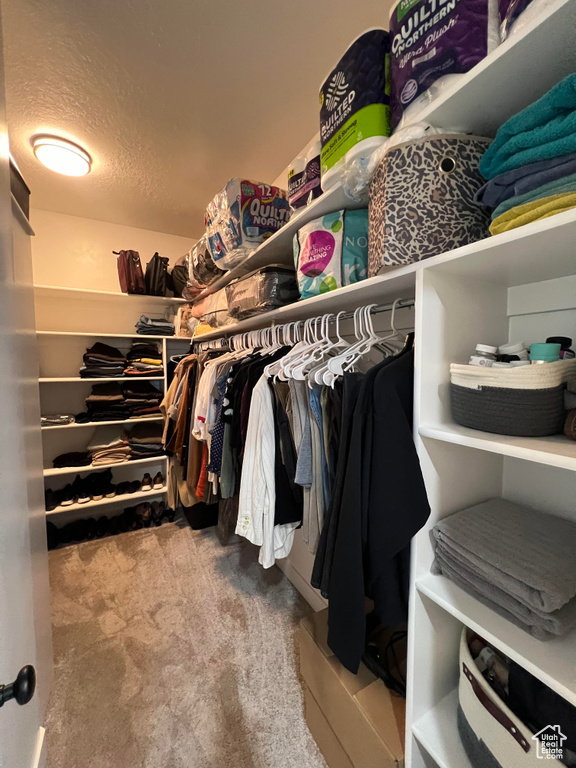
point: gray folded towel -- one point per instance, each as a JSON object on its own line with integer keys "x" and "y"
{"x": 527, "y": 554}
{"x": 542, "y": 626}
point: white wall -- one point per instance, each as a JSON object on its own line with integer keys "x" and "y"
{"x": 73, "y": 252}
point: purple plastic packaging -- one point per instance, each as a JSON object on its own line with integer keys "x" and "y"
{"x": 430, "y": 39}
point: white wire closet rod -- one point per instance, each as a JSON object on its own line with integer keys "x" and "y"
{"x": 375, "y": 309}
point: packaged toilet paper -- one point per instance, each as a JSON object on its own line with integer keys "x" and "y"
{"x": 241, "y": 217}
{"x": 331, "y": 251}
{"x": 355, "y": 104}
{"x": 433, "y": 39}
{"x": 296, "y": 183}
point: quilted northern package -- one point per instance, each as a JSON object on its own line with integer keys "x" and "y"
{"x": 240, "y": 217}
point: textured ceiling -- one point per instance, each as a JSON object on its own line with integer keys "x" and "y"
{"x": 170, "y": 97}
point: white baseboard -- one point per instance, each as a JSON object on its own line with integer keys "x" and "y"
{"x": 39, "y": 758}
{"x": 311, "y": 595}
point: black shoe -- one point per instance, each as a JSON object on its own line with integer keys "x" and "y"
{"x": 158, "y": 509}
{"x": 50, "y": 500}
{"x": 122, "y": 488}
{"x": 102, "y": 525}
{"x": 66, "y": 496}
{"x": 81, "y": 490}
{"x": 110, "y": 491}
{"x": 134, "y": 486}
{"x": 169, "y": 514}
{"x": 52, "y": 535}
{"x": 90, "y": 528}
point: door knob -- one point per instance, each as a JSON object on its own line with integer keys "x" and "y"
{"x": 22, "y": 689}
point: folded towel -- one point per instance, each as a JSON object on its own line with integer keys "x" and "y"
{"x": 540, "y": 626}
{"x": 534, "y": 211}
{"x": 524, "y": 179}
{"x": 545, "y": 129}
{"x": 528, "y": 554}
{"x": 557, "y": 187}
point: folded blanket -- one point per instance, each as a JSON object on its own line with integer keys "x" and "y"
{"x": 526, "y": 553}
{"x": 545, "y": 129}
{"x": 105, "y": 438}
{"x": 542, "y": 627}
{"x": 538, "y": 209}
{"x": 557, "y": 187}
{"x": 524, "y": 179}
{"x": 73, "y": 459}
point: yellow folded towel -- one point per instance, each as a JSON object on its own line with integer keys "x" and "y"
{"x": 537, "y": 209}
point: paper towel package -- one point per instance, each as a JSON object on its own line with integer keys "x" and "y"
{"x": 241, "y": 217}
{"x": 355, "y": 104}
{"x": 431, "y": 43}
{"x": 331, "y": 251}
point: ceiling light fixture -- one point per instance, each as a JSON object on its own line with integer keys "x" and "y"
{"x": 61, "y": 156}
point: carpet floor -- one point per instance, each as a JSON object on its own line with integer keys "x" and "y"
{"x": 172, "y": 651}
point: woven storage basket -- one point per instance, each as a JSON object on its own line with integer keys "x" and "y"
{"x": 492, "y": 735}
{"x": 524, "y": 402}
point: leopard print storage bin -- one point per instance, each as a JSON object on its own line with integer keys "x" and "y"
{"x": 421, "y": 200}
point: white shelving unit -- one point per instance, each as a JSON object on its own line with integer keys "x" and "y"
{"x": 62, "y": 390}
{"x": 518, "y": 285}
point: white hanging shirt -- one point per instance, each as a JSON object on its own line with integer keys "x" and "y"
{"x": 257, "y": 484}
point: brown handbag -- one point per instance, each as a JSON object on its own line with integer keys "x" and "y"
{"x": 130, "y": 272}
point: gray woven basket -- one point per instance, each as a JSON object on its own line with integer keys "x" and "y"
{"x": 519, "y": 412}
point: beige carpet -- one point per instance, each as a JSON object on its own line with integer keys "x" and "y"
{"x": 174, "y": 652}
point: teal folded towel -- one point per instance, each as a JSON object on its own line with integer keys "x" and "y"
{"x": 545, "y": 129}
{"x": 567, "y": 184}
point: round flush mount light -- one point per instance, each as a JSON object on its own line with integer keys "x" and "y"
{"x": 61, "y": 155}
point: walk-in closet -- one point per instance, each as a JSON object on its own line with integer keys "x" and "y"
{"x": 288, "y": 393}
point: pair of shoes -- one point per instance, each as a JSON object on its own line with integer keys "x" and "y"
{"x": 144, "y": 513}
{"x": 128, "y": 486}
{"x": 148, "y": 484}
{"x": 99, "y": 485}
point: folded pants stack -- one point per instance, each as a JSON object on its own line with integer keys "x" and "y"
{"x": 531, "y": 165}
{"x": 144, "y": 359}
{"x": 148, "y": 326}
{"x": 109, "y": 446}
{"x": 517, "y": 560}
{"x": 106, "y": 403}
{"x": 142, "y": 398}
{"x": 102, "y": 361}
{"x": 145, "y": 441}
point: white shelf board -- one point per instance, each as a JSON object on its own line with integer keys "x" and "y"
{"x": 96, "y": 334}
{"x": 555, "y": 450}
{"x": 552, "y": 661}
{"x": 52, "y": 472}
{"x": 541, "y": 250}
{"x": 97, "y": 379}
{"x": 124, "y": 498}
{"x": 101, "y": 423}
{"x": 278, "y": 248}
{"x": 517, "y": 73}
{"x": 437, "y": 732}
{"x": 60, "y": 291}
{"x": 375, "y": 290}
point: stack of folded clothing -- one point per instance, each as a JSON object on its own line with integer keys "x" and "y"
{"x": 149, "y": 326}
{"x": 109, "y": 446}
{"x": 56, "y": 419}
{"x": 144, "y": 359}
{"x": 142, "y": 398}
{"x": 106, "y": 403}
{"x": 102, "y": 361}
{"x": 145, "y": 441}
{"x": 72, "y": 459}
{"x": 518, "y": 561}
{"x": 531, "y": 164}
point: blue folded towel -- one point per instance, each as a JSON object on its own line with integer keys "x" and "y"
{"x": 521, "y": 180}
{"x": 558, "y": 187}
{"x": 543, "y": 130}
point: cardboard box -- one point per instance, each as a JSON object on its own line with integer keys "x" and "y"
{"x": 324, "y": 736}
{"x": 360, "y": 713}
